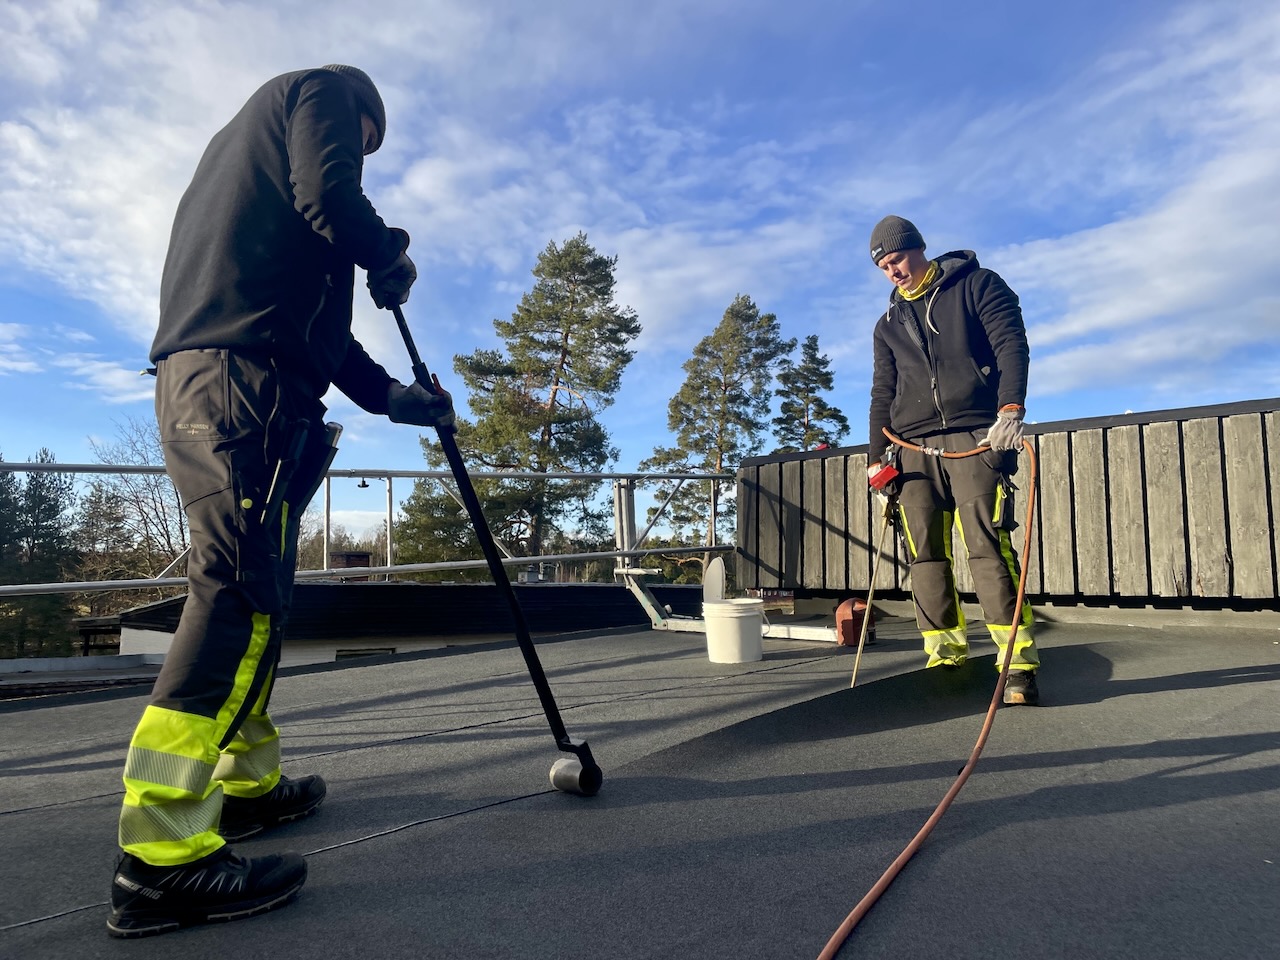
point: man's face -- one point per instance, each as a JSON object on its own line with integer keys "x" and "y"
{"x": 905, "y": 268}
{"x": 369, "y": 131}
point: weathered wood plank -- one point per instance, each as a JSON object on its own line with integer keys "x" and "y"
{"x": 814, "y": 530}
{"x": 1129, "y": 571}
{"x": 1166, "y": 506}
{"x": 792, "y": 525}
{"x": 883, "y": 541}
{"x": 1089, "y": 493}
{"x": 859, "y": 521}
{"x": 770, "y": 519}
{"x": 1249, "y": 522}
{"x": 747, "y": 539}
{"x": 1058, "y": 546}
{"x": 1029, "y": 557}
{"x": 1206, "y": 508}
{"x": 835, "y": 523}
{"x": 1272, "y": 422}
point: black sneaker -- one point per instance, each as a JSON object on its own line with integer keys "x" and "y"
{"x": 1020, "y": 687}
{"x": 146, "y": 900}
{"x": 288, "y": 800}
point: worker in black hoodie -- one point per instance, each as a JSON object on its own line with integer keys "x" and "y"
{"x": 950, "y": 374}
{"x": 255, "y": 325}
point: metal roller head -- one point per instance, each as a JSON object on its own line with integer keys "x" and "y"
{"x": 569, "y": 776}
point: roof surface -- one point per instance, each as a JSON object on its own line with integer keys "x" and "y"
{"x": 746, "y": 808}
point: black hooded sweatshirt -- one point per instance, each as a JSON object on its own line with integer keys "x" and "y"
{"x": 265, "y": 238}
{"x": 950, "y": 359}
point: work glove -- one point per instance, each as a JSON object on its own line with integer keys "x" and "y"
{"x": 390, "y": 285}
{"x": 1006, "y": 432}
{"x": 416, "y": 405}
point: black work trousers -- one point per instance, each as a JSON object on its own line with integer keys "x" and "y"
{"x": 935, "y": 495}
{"x": 228, "y": 421}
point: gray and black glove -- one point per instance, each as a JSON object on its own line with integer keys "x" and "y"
{"x": 416, "y": 405}
{"x": 389, "y": 286}
{"x": 1006, "y": 432}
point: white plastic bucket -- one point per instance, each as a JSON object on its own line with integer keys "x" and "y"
{"x": 734, "y": 629}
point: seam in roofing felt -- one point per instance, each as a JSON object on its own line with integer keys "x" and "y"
{"x": 425, "y": 820}
{"x": 53, "y": 916}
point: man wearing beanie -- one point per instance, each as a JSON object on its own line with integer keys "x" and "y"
{"x": 255, "y": 325}
{"x": 950, "y": 374}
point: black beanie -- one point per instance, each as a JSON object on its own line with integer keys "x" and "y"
{"x": 368, "y": 97}
{"x": 893, "y": 234}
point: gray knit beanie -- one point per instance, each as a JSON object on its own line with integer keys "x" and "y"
{"x": 893, "y": 234}
{"x": 367, "y": 95}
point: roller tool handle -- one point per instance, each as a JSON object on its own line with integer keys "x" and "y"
{"x": 467, "y": 492}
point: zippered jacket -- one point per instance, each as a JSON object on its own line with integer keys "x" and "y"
{"x": 950, "y": 359}
{"x": 264, "y": 243}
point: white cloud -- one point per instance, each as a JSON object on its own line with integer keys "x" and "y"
{"x": 107, "y": 380}
{"x": 15, "y": 357}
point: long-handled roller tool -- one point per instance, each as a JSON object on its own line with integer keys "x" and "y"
{"x": 579, "y": 774}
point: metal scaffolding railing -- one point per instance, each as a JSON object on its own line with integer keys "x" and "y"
{"x": 630, "y": 547}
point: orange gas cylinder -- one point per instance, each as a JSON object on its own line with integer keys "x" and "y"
{"x": 849, "y": 622}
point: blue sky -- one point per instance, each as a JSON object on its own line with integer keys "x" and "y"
{"x": 1118, "y": 164}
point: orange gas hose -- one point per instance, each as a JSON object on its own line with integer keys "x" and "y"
{"x": 868, "y": 901}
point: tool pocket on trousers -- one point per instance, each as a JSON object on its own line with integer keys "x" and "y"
{"x": 257, "y": 546}
{"x": 191, "y": 396}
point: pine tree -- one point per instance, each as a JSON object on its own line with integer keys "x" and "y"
{"x": 805, "y": 419}
{"x": 717, "y": 414}
{"x": 536, "y": 405}
{"x": 42, "y": 548}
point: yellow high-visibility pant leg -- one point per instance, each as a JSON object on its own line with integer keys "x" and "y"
{"x": 250, "y": 764}
{"x": 948, "y": 648}
{"x": 939, "y": 614}
{"x": 172, "y": 800}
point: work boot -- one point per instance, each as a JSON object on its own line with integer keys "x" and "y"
{"x": 1020, "y": 687}
{"x": 244, "y": 817}
{"x": 146, "y": 900}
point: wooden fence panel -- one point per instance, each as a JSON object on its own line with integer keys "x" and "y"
{"x": 1029, "y": 557}
{"x": 1089, "y": 493}
{"x": 770, "y": 515}
{"x": 1166, "y": 503}
{"x": 748, "y": 534}
{"x": 836, "y": 524}
{"x": 1272, "y": 421}
{"x": 1058, "y": 549}
{"x": 1129, "y": 572}
{"x": 1206, "y": 508}
{"x": 792, "y": 525}
{"x": 1249, "y": 522}
{"x": 1127, "y": 507}
{"x": 860, "y": 547}
{"x": 814, "y": 521}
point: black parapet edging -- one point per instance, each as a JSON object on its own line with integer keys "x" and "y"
{"x": 324, "y": 610}
{"x": 1235, "y": 408}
